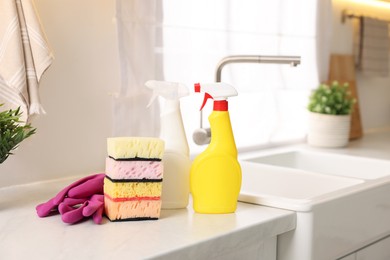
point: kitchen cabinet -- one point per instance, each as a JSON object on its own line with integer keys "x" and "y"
{"x": 379, "y": 250}
{"x": 349, "y": 257}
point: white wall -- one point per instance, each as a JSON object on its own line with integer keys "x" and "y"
{"x": 71, "y": 138}
{"x": 374, "y": 92}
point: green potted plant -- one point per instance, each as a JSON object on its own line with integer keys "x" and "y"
{"x": 330, "y": 108}
{"x": 12, "y": 132}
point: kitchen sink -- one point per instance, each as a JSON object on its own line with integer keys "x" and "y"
{"x": 342, "y": 202}
{"x": 288, "y": 188}
{"x": 330, "y": 164}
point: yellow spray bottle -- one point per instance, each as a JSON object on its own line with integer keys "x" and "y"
{"x": 215, "y": 177}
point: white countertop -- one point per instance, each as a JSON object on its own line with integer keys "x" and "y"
{"x": 178, "y": 234}
{"x": 373, "y": 144}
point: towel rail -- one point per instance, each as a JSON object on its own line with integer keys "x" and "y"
{"x": 346, "y": 14}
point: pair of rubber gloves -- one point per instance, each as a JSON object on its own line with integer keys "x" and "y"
{"x": 81, "y": 199}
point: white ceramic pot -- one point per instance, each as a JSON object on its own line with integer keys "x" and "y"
{"x": 328, "y": 130}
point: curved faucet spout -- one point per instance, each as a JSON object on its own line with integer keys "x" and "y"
{"x": 293, "y": 60}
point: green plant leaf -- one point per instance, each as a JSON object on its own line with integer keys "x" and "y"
{"x": 12, "y": 132}
{"x": 334, "y": 99}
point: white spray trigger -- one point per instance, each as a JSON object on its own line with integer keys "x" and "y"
{"x": 152, "y": 99}
{"x": 168, "y": 90}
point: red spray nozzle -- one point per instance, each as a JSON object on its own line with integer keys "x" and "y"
{"x": 217, "y": 91}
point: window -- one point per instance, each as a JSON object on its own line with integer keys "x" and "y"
{"x": 271, "y": 106}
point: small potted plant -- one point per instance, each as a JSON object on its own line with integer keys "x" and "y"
{"x": 330, "y": 109}
{"x": 12, "y": 132}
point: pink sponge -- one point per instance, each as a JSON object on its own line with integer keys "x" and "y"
{"x": 119, "y": 170}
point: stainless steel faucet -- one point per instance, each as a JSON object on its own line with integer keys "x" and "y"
{"x": 203, "y": 135}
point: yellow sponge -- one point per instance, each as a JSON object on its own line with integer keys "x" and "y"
{"x": 135, "y": 147}
{"x": 131, "y": 189}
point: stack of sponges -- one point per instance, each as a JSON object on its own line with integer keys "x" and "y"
{"x": 133, "y": 182}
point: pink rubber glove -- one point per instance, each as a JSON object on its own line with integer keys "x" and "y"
{"x": 95, "y": 207}
{"x": 45, "y": 209}
{"x": 96, "y": 202}
{"x": 88, "y": 188}
{"x": 81, "y": 199}
{"x": 71, "y": 214}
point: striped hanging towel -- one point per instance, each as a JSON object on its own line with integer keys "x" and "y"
{"x": 24, "y": 56}
{"x": 371, "y": 46}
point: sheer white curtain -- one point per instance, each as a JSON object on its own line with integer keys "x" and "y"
{"x": 139, "y": 33}
{"x": 271, "y": 106}
{"x": 196, "y": 34}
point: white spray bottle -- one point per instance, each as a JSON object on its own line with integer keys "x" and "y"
{"x": 176, "y": 184}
